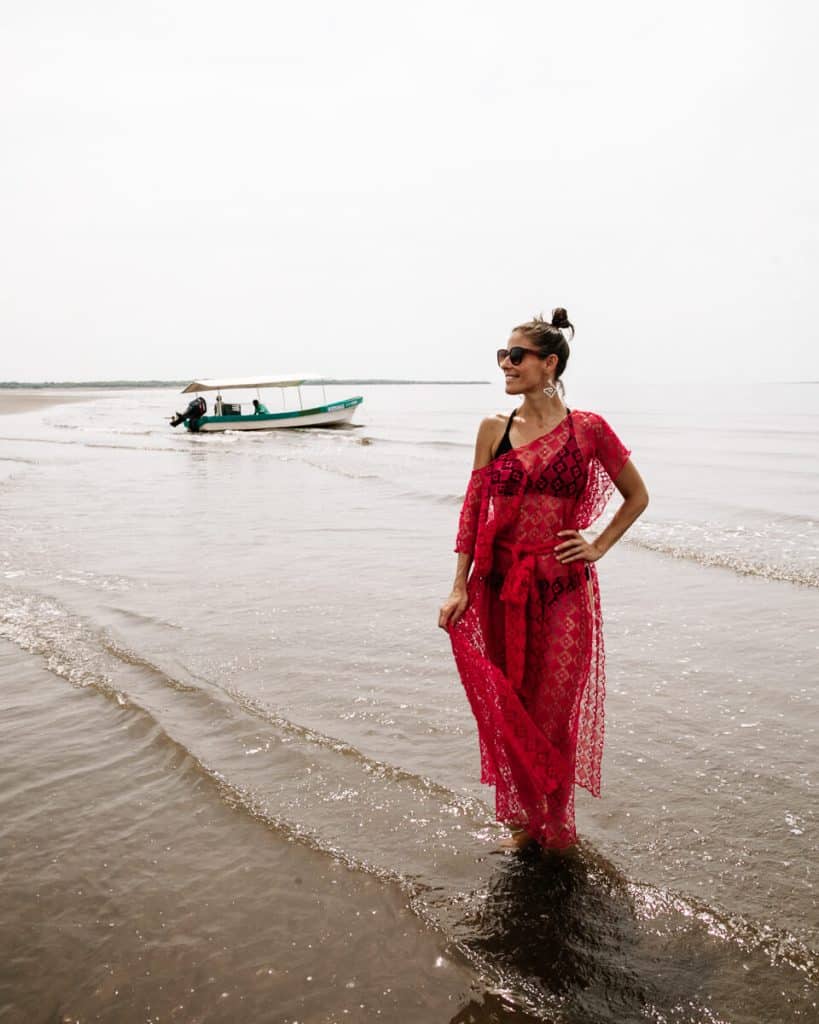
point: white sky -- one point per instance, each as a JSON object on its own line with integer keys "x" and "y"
{"x": 380, "y": 189}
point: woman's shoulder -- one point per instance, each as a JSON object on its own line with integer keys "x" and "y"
{"x": 596, "y": 429}
{"x": 592, "y": 419}
{"x": 491, "y": 423}
{"x": 586, "y": 417}
{"x": 590, "y": 424}
{"x": 490, "y": 432}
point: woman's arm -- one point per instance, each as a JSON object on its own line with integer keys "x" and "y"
{"x": 630, "y": 484}
{"x": 462, "y": 568}
{"x": 455, "y": 605}
{"x": 470, "y": 510}
{"x": 488, "y": 436}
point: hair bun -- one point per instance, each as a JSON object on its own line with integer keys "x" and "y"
{"x": 560, "y": 318}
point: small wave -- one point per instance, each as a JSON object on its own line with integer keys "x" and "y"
{"x": 450, "y": 500}
{"x": 93, "y": 444}
{"x": 329, "y": 468}
{"x": 143, "y": 618}
{"x": 446, "y": 444}
{"x": 779, "y": 947}
{"x": 72, "y": 650}
{"x": 37, "y": 625}
{"x": 722, "y": 560}
{"x": 131, "y": 447}
{"x": 128, "y": 657}
{"x": 100, "y": 429}
{"x": 376, "y": 768}
{"x": 202, "y": 717}
{"x": 432, "y": 498}
{"x": 132, "y": 433}
{"x": 419, "y": 443}
{"x": 37, "y": 440}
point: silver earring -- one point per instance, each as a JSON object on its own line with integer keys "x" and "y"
{"x": 550, "y": 390}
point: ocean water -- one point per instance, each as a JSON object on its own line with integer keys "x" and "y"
{"x": 241, "y": 777}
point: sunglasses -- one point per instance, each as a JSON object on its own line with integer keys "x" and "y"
{"x": 515, "y": 354}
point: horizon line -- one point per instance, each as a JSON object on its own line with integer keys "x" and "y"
{"x": 10, "y": 385}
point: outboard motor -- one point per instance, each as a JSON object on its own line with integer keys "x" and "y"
{"x": 195, "y": 411}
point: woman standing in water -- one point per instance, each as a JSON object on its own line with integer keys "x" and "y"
{"x": 526, "y": 627}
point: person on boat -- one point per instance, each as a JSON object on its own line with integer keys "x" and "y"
{"x": 526, "y": 625}
{"x": 217, "y": 405}
{"x": 259, "y": 408}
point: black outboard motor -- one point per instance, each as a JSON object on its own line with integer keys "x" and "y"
{"x": 195, "y": 411}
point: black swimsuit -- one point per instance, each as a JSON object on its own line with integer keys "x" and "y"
{"x": 505, "y": 444}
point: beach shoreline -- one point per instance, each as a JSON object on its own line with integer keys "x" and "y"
{"x": 15, "y": 402}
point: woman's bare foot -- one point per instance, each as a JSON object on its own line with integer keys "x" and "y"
{"x": 519, "y": 840}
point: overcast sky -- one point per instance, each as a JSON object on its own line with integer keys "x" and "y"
{"x": 192, "y": 188}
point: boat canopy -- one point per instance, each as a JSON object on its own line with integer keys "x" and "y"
{"x": 226, "y": 383}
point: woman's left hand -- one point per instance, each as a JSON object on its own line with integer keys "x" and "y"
{"x": 576, "y": 547}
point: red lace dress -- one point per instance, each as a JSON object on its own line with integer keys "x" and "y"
{"x": 529, "y": 647}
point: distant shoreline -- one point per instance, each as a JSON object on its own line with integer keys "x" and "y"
{"x": 124, "y": 385}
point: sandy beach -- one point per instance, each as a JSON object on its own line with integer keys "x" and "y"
{"x": 14, "y": 401}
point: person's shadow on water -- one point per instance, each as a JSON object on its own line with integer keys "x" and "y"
{"x": 563, "y": 929}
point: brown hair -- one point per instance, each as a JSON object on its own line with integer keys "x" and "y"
{"x": 549, "y": 337}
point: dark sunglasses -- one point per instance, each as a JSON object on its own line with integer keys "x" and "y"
{"x": 516, "y": 354}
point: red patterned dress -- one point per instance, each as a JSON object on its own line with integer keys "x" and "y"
{"x": 529, "y": 647}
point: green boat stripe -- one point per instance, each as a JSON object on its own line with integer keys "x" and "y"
{"x": 290, "y": 414}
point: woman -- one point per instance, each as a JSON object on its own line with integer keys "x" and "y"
{"x": 526, "y": 628}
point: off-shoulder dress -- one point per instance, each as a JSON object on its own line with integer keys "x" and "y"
{"x": 529, "y": 648}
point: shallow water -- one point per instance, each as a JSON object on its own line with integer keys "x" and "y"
{"x": 250, "y": 624}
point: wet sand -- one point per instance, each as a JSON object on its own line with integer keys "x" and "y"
{"x": 12, "y": 402}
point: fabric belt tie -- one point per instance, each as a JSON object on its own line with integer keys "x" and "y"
{"x": 515, "y": 594}
{"x": 515, "y": 589}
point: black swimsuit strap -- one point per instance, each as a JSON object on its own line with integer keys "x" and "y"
{"x": 505, "y": 445}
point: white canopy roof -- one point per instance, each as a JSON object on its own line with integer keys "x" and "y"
{"x": 226, "y": 383}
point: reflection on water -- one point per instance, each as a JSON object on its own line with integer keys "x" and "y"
{"x": 556, "y": 919}
{"x": 567, "y": 938}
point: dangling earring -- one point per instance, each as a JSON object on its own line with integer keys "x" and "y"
{"x": 550, "y": 390}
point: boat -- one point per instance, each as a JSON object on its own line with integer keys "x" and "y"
{"x": 235, "y": 415}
